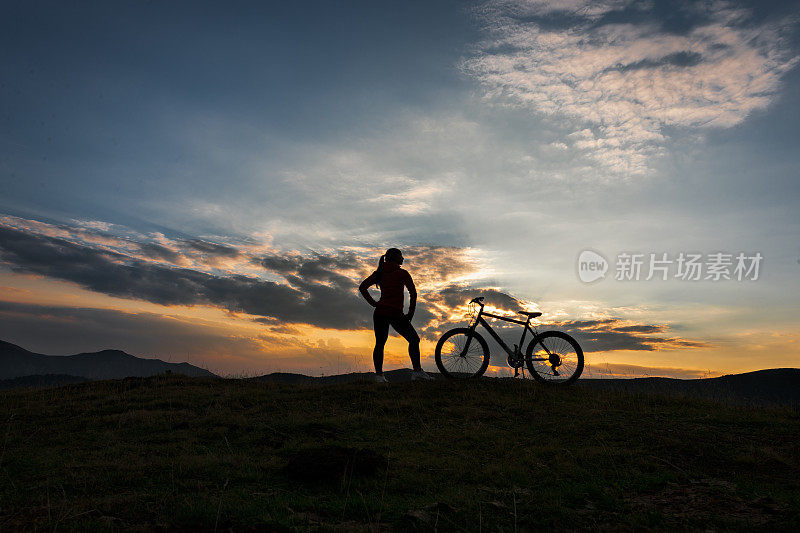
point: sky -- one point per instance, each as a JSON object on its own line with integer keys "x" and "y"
{"x": 208, "y": 182}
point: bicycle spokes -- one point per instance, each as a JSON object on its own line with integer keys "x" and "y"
{"x": 555, "y": 358}
{"x": 461, "y": 353}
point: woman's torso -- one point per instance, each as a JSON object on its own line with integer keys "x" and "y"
{"x": 392, "y": 280}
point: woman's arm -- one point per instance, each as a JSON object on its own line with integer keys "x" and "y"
{"x": 412, "y": 297}
{"x": 366, "y": 284}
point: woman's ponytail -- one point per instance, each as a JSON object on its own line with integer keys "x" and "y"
{"x": 379, "y": 271}
{"x": 392, "y": 254}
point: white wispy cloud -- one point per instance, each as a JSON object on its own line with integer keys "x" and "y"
{"x": 414, "y": 197}
{"x": 625, "y": 81}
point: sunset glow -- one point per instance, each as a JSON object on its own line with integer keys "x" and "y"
{"x": 217, "y": 197}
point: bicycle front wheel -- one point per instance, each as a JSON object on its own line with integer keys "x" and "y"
{"x": 462, "y": 353}
{"x": 555, "y": 358}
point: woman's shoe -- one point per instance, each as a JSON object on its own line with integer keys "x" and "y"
{"x": 421, "y": 375}
{"x": 380, "y": 379}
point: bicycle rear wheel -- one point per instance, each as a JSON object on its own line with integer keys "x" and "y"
{"x": 555, "y": 358}
{"x": 454, "y": 361}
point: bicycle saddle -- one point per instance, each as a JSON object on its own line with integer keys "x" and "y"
{"x": 532, "y": 314}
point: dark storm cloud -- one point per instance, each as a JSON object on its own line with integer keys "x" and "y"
{"x": 454, "y": 296}
{"x": 676, "y": 18}
{"x": 318, "y": 268}
{"x": 640, "y": 329}
{"x": 333, "y": 305}
{"x": 210, "y": 248}
{"x": 611, "y": 325}
{"x": 613, "y": 334}
{"x": 590, "y": 324}
{"x": 555, "y": 20}
{"x": 678, "y": 59}
{"x": 156, "y": 251}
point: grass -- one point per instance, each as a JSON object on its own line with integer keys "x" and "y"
{"x": 170, "y": 452}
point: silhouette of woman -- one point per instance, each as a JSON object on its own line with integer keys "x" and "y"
{"x": 391, "y": 279}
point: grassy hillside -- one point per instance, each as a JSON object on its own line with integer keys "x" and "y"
{"x": 192, "y": 453}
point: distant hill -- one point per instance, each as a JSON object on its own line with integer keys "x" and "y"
{"x": 775, "y": 385}
{"x": 17, "y": 362}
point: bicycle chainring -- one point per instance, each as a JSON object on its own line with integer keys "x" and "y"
{"x": 515, "y": 361}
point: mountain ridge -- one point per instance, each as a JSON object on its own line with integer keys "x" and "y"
{"x": 17, "y": 362}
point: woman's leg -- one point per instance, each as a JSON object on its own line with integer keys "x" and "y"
{"x": 381, "y": 326}
{"x": 403, "y": 326}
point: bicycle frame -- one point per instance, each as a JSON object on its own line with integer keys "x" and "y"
{"x": 526, "y": 327}
{"x": 561, "y": 364}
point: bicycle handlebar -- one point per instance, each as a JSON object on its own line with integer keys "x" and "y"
{"x": 478, "y": 300}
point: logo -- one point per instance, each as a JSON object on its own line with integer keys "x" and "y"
{"x": 591, "y": 266}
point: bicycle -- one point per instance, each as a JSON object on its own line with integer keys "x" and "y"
{"x": 552, "y": 357}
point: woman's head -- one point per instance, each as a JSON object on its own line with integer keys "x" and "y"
{"x": 394, "y": 255}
